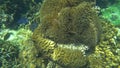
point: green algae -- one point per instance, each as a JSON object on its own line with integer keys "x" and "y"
{"x": 111, "y": 13}
{"x": 8, "y": 54}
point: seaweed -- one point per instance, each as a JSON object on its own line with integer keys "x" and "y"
{"x": 8, "y": 55}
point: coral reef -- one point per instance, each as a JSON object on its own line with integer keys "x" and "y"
{"x": 44, "y": 46}
{"x": 74, "y": 22}
{"x": 53, "y": 7}
{"x": 118, "y": 36}
{"x": 66, "y": 23}
{"x": 8, "y": 55}
{"x": 49, "y": 50}
{"x": 70, "y": 35}
{"x": 12, "y": 11}
{"x": 69, "y": 58}
{"x": 28, "y": 56}
{"x": 107, "y": 51}
{"x": 66, "y": 27}
{"x": 15, "y": 36}
{"x": 12, "y": 45}
{"x": 47, "y": 53}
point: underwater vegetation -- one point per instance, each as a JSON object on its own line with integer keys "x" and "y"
{"x": 112, "y": 13}
{"x": 106, "y": 54}
{"x": 15, "y": 36}
{"x": 9, "y": 53}
{"x": 13, "y": 13}
{"x": 11, "y": 46}
{"x": 69, "y": 34}
{"x": 69, "y": 22}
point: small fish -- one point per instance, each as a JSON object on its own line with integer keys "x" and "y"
{"x": 22, "y": 20}
{"x": 33, "y": 26}
{"x": 7, "y": 36}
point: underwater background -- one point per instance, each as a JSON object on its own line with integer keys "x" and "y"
{"x": 59, "y": 34}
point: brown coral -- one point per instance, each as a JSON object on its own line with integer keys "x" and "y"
{"x": 66, "y": 22}
{"x": 69, "y": 58}
{"x": 69, "y": 24}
